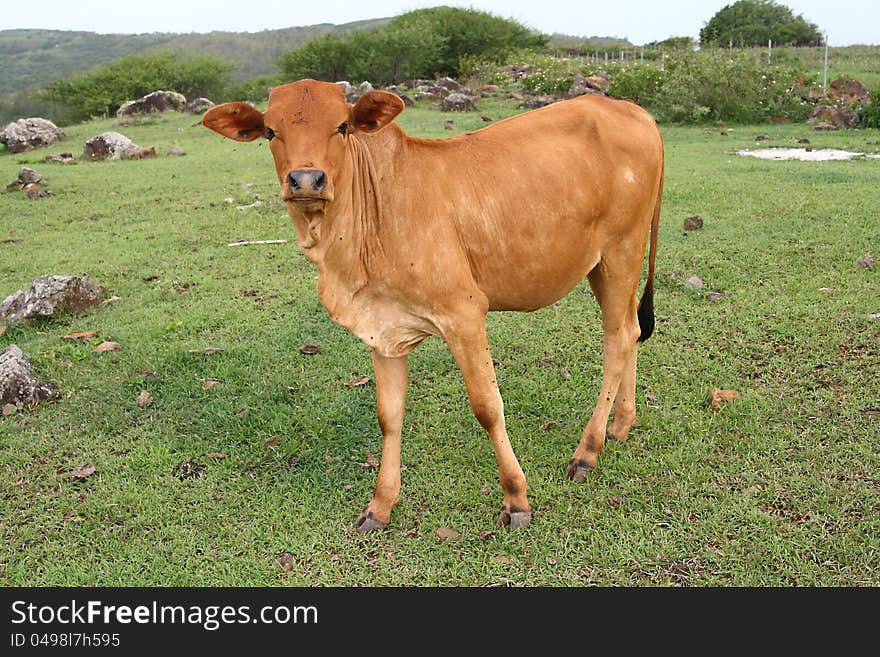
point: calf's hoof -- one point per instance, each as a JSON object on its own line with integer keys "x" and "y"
{"x": 514, "y": 519}
{"x": 578, "y": 469}
{"x": 367, "y": 522}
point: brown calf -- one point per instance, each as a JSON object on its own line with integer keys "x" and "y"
{"x": 415, "y": 237}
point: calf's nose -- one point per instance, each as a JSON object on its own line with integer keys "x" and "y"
{"x": 304, "y": 181}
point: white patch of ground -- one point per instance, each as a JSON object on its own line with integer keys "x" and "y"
{"x": 814, "y": 155}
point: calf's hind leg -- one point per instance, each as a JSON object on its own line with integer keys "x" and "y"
{"x": 616, "y": 294}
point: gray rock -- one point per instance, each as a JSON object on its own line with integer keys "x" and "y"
{"x": 115, "y": 146}
{"x": 199, "y": 105}
{"x": 18, "y": 383}
{"x": 694, "y": 283}
{"x": 27, "y": 134}
{"x": 538, "y": 101}
{"x": 48, "y": 296}
{"x": 457, "y": 102}
{"x": 176, "y": 150}
{"x": 157, "y": 101}
{"x": 27, "y": 176}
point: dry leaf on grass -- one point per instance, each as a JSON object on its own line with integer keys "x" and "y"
{"x": 285, "y": 561}
{"x": 2, "y": 329}
{"x": 447, "y": 534}
{"x": 371, "y": 461}
{"x": 548, "y": 425}
{"x": 360, "y": 381}
{"x": 83, "y": 471}
{"x": 272, "y": 442}
{"x": 719, "y": 397}
{"x": 309, "y": 349}
{"x": 147, "y": 374}
{"x": 144, "y": 399}
{"x": 209, "y": 384}
{"x": 565, "y": 373}
{"x": 216, "y": 455}
{"x": 187, "y": 470}
{"x": 108, "y": 346}
{"x": 9, "y": 409}
{"x": 502, "y": 559}
{"x": 81, "y": 335}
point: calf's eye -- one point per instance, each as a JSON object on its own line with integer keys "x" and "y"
{"x": 343, "y": 128}
{"x": 270, "y": 133}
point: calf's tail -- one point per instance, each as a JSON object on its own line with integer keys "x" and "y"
{"x": 646, "y": 303}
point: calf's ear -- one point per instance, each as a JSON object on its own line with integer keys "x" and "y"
{"x": 238, "y": 121}
{"x": 374, "y": 110}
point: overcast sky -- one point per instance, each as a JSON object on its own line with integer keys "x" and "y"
{"x": 641, "y": 21}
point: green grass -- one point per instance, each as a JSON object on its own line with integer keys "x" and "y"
{"x": 779, "y": 488}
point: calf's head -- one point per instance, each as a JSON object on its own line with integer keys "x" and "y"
{"x": 308, "y": 125}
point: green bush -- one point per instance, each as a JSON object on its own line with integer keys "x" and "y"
{"x": 256, "y": 89}
{"x": 718, "y": 85}
{"x": 103, "y": 90}
{"x": 869, "y": 114}
{"x": 639, "y": 83}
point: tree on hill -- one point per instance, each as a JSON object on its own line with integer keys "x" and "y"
{"x": 418, "y": 44}
{"x": 755, "y": 22}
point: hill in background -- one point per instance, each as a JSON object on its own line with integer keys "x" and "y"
{"x": 33, "y": 58}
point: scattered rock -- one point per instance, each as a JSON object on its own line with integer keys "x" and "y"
{"x": 27, "y": 176}
{"x": 447, "y": 534}
{"x": 115, "y": 146}
{"x": 538, "y": 101}
{"x": 848, "y": 90}
{"x": 837, "y": 117}
{"x": 356, "y": 383}
{"x": 352, "y": 93}
{"x": 144, "y": 399}
{"x": 27, "y": 134}
{"x": 719, "y": 397}
{"x": 715, "y": 296}
{"x": 457, "y": 102}
{"x": 693, "y": 223}
{"x": 157, "y": 101}
{"x": 448, "y": 124}
{"x": 48, "y": 296}
{"x": 763, "y": 138}
{"x": 176, "y": 150}
{"x": 694, "y": 283}
{"x": 582, "y": 85}
{"x": 309, "y": 349}
{"x": 865, "y": 262}
{"x": 19, "y": 385}
{"x": 83, "y": 471}
{"x": 61, "y": 158}
{"x": 199, "y": 105}
{"x": 106, "y": 346}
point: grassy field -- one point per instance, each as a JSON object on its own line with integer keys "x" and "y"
{"x": 779, "y": 488}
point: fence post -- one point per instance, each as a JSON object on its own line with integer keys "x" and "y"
{"x": 825, "y": 74}
{"x": 769, "y": 52}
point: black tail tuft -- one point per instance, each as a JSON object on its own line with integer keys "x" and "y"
{"x": 646, "y": 312}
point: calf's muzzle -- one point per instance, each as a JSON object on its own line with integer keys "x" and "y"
{"x": 306, "y": 183}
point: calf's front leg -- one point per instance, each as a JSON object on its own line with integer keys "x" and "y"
{"x": 391, "y": 380}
